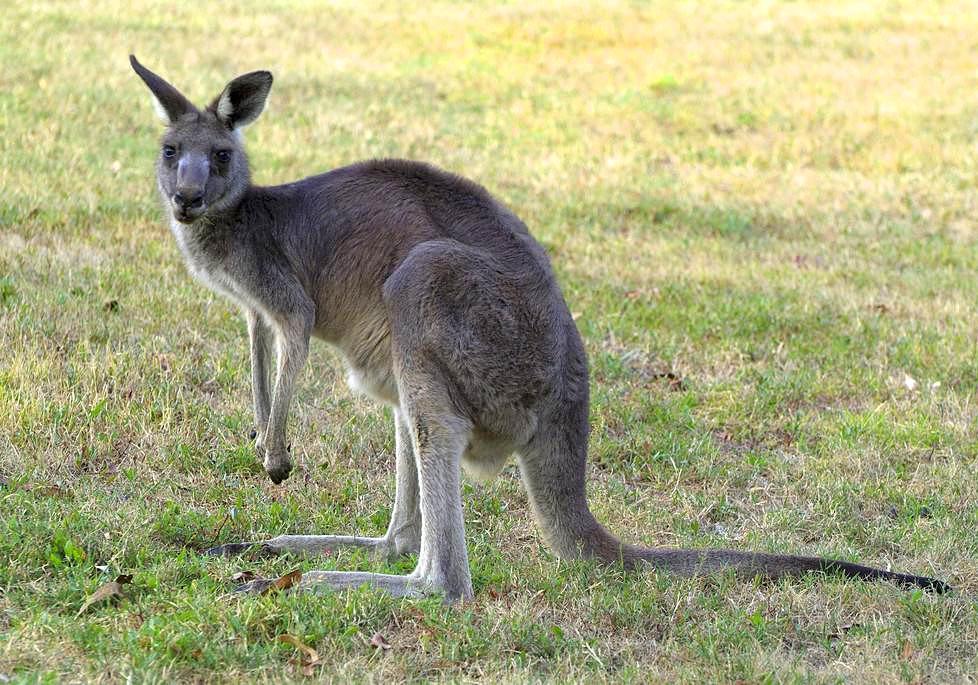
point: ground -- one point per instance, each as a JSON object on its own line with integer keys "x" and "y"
{"x": 762, "y": 216}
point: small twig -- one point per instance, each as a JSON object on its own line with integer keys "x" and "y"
{"x": 220, "y": 527}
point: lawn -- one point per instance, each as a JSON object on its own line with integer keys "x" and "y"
{"x": 763, "y": 216}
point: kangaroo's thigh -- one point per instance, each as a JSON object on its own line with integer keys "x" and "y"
{"x": 485, "y": 328}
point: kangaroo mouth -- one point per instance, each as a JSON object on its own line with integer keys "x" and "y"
{"x": 187, "y": 215}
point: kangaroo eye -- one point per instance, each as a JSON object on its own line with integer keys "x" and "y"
{"x": 223, "y": 156}
{"x": 169, "y": 152}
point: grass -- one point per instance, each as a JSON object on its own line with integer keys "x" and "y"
{"x": 774, "y": 202}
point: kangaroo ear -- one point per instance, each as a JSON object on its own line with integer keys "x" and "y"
{"x": 168, "y": 102}
{"x": 243, "y": 99}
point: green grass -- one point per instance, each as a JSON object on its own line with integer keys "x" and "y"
{"x": 775, "y": 202}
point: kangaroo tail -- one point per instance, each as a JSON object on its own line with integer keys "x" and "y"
{"x": 554, "y": 477}
{"x": 697, "y": 562}
{"x": 582, "y": 536}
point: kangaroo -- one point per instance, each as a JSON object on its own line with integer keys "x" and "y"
{"x": 442, "y": 306}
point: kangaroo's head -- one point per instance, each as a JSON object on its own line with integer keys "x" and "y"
{"x": 202, "y": 167}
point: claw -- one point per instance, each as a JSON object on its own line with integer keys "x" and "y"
{"x": 279, "y": 471}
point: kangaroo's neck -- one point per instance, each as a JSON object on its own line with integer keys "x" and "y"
{"x": 206, "y": 242}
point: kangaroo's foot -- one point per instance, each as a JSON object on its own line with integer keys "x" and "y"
{"x": 328, "y": 581}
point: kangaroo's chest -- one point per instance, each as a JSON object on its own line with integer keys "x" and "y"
{"x": 214, "y": 272}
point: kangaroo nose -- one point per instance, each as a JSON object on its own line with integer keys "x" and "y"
{"x": 189, "y": 200}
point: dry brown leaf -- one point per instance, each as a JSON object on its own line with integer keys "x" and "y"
{"x": 110, "y": 590}
{"x": 284, "y": 582}
{"x": 907, "y": 652}
{"x": 842, "y": 630}
{"x": 46, "y": 489}
{"x": 675, "y": 382}
{"x": 310, "y": 657}
{"x": 244, "y": 576}
{"x": 379, "y": 642}
{"x": 309, "y": 653}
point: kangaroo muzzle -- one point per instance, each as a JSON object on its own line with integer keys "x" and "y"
{"x": 188, "y": 197}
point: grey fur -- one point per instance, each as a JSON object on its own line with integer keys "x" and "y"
{"x": 442, "y": 305}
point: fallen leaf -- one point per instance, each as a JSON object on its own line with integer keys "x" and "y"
{"x": 723, "y": 129}
{"x": 676, "y": 383}
{"x": 379, "y": 642}
{"x": 309, "y": 658}
{"x": 842, "y": 630}
{"x": 244, "y": 576}
{"x": 306, "y": 650}
{"x": 110, "y": 590}
{"x": 284, "y": 582}
{"x": 907, "y": 652}
{"x": 49, "y": 490}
